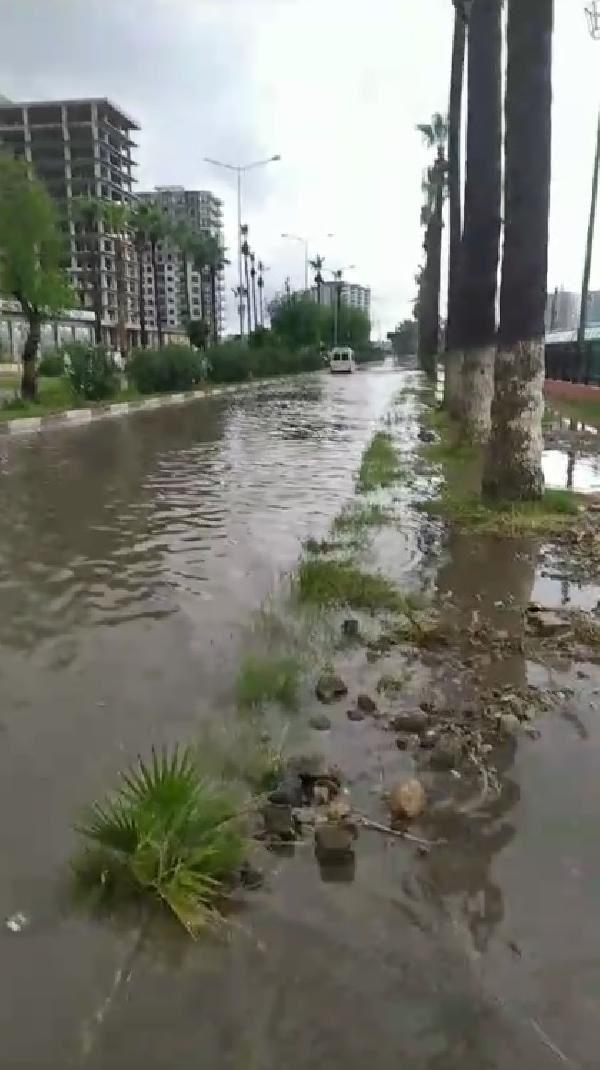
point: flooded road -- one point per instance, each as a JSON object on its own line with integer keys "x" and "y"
{"x": 133, "y": 555}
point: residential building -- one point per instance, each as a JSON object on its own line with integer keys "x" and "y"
{"x": 75, "y": 325}
{"x": 200, "y": 211}
{"x": 353, "y": 295}
{"x": 83, "y": 149}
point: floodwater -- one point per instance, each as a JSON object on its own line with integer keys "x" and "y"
{"x": 133, "y": 555}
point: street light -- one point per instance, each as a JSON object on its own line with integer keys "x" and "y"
{"x": 239, "y": 170}
{"x": 593, "y": 17}
{"x": 337, "y": 274}
{"x": 304, "y": 241}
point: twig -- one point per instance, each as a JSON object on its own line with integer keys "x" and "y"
{"x": 550, "y": 1043}
{"x": 399, "y": 833}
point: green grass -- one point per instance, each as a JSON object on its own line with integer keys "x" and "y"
{"x": 333, "y": 583}
{"x": 587, "y": 412}
{"x": 555, "y": 511}
{"x": 168, "y": 836}
{"x": 264, "y": 679}
{"x": 379, "y": 466}
{"x": 54, "y": 396}
{"x": 356, "y": 518}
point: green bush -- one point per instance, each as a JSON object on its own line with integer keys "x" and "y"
{"x": 52, "y": 365}
{"x": 234, "y": 362}
{"x": 173, "y": 368}
{"x": 92, "y": 372}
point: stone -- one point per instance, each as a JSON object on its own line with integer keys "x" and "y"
{"x": 334, "y": 838}
{"x": 429, "y": 738}
{"x": 446, "y": 753}
{"x": 355, "y": 715}
{"x": 546, "y": 623}
{"x": 510, "y": 724}
{"x": 412, "y": 721}
{"x": 350, "y": 628}
{"x": 278, "y": 820}
{"x": 366, "y": 704}
{"x": 288, "y": 792}
{"x": 320, "y": 722}
{"x": 407, "y": 800}
{"x": 251, "y": 877}
{"x": 425, "y": 435}
{"x": 403, "y": 742}
{"x": 330, "y": 687}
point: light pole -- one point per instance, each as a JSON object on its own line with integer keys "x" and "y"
{"x": 593, "y": 17}
{"x": 240, "y": 169}
{"x": 304, "y": 242}
{"x": 337, "y": 274}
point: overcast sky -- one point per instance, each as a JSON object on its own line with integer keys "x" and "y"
{"x": 335, "y": 86}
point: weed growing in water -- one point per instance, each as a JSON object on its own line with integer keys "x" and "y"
{"x": 333, "y": 583}
{"x": 269, "y": 679}
{"x": 553, "y": 512}
{"x": 357, "y": 518}
{"x": 166, "y": 834}
{"x": 379, "y": 466}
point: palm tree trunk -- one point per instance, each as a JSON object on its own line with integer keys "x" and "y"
{"x": 248, "y": 294}
{"x": 158, "y": 313}
{"x": 28, "y": 375}
{"x": 186, "y": 286}
{"x": 452, "y": 380}
{"x": 513, "y": 469}
{"x": 481, "y": 237}
{"x": 213, "y": 304}
{"x": 121, "y": 295}
{"x": 585, "y": 286}
{"x": 141, "y": 296}
{"x": 260, "y": 296}
{"x": 253, "y": 275}
{"x": 429, "y": 303}
{"x": 97, "y": 290}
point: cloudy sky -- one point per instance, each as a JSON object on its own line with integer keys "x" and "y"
{"x": 335, "y": 86}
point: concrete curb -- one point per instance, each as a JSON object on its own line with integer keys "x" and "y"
{"x": 77, "y": 417}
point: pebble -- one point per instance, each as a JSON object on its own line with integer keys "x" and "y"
{"x": 510, "y": 724}
{"x": 414, "y": 721}
{"x": 355, "y": 715}
{"x": 429, "y": 738}
{"x": 320, "y": 722}
{"x": 350, "y": 628}
{"x": 330, "y": 687}
{"x": 407, "y": 800}
{"x": 366, "y": 704}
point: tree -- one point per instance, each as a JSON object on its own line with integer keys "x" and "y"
{"x": 253, "y": 283}
{"x": 260, "y": 282}
{"x": 30, "y": 258}
{"x": 454, "y": 196}
{"x": 481, "y": 237}
{"x": 87, "y": 212}
{"x": 246, "y": 254}
{"x": 186, "y": 241}
{"x": 149, "y": 226}
{"x": 199, "y": 254}
{"x": 434, "y": 186}
{"x": 317, "y": 266}
{"x": 404, "y": 338}
{"x": 216, "y": 261}
{"x": 198, "y": 332}
{"x": 116, "y": 217}
{"x": 300, "y": 322}
{"x": 513, "y": 468}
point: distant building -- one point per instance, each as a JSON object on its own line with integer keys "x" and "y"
{"x": 83, "y": 148}
{"x": 353, "y": 295}
{"x": 201, "y": 211}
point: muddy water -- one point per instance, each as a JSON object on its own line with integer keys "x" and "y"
{"x": 132, "y": 556}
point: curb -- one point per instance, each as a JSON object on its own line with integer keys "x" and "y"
{"x": 77, "y": 417}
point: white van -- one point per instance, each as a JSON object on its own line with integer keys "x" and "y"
{"x": 341, "y": 360}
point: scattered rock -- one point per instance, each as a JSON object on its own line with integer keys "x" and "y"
{"x": 334, "y": 839}
{"x": 426, "y": 435}
{"x": 278, "y": 820}
{"x": 250, "y": 876}
{"x": 330, "y": 687}
{"x": 531, "y": 731}
{"x": 412, "y": 721}
{"x": 510, "y": 724}
{"x": 390, "y": 685}
{"x": 407, "y": 800}
{"x": 350, "y": 628}
{"x": 320, "y": 722}
{"x": 321, "y": 795}
{"x": 446, "y": 753}
{"x": 429, "y": 738}
{"x": 355, "y": 715}
{"x": 546, "y": 623}
{"x": 366, "y": 704}
{"x": 403, "y": 742}
{"x": 288, "y": 792}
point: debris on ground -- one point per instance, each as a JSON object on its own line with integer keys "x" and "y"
{"x": 330, "y": 687}
{"x": 407, "y": 800}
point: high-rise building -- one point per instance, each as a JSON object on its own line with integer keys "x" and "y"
{"x": 202, "y": 212}
{"x": 353, "y": 295}
{"x": 83, "y": 149}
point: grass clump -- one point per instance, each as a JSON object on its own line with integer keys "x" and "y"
{"x": 355, "y": 519}
{"x": 167, "y": 835}
{"x": 553, "y": 512}
{"x": 334, "y": 583}
{"x": 267, "y": 679}
{"x": 379, "y": 466}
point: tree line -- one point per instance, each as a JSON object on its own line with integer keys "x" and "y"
{"x": 494, "y": 367}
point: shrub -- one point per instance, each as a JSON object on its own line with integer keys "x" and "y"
{"x": 168, "y": 835}
{"x": 379, "y": 466}
{"x": 52, "y": 365}
{"x": 173, "y": 368}
{"x": 235, "y": 362}
{"x": 266, "y": 679}
{"x": 92, "y": 372}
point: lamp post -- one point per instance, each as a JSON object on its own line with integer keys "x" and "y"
{"x": 593, "y": 16}
{"x": 239, "y": 170}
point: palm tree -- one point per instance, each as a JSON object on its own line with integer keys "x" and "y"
{"x": 199, "y": 256}
{"x": 253, "y": 279}
{"x": 434, "y": 186}
{"x": 481, "y": 238}
{"x": 246, "y": 254}
{"x": 88, "y": 211}
{"x": 116, "y": 218}
{"x": 513, "y": 468}
{"x": 317, "y": 266}
{"x": 454, "y": 196}
{"x": 216, "y": 261}
{"x": 260, "y": 282}
{"x": 186, "y": 241}
{"x": 149, "y": 226}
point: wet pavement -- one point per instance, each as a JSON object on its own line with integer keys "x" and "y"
{"x": 133, "y": 556}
